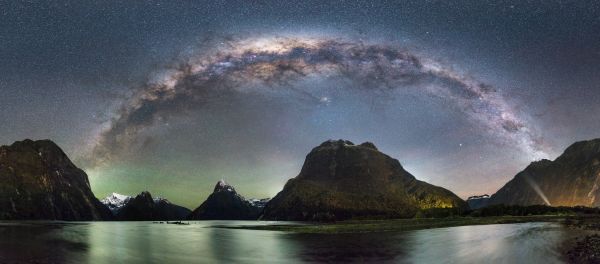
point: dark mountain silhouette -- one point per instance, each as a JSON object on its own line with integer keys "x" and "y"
{"x": 570, "y": 180}
{"x": 478, "y": 201}
{"x": 145, "y": 208}
{"x": 340, "y": 180}
{"x": 226, "y": 204}
{"x": 39, "y": 181}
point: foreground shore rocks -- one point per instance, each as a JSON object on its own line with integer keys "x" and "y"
{"x": 586, "y": 250}
{"x": 586, "y": 247}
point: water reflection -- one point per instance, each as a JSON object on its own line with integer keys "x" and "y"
{"x": 518, "y": 243}
{"x": 362, "y": 247}
{"x": 144, "y": 242}
{"x": 41, "y": 243}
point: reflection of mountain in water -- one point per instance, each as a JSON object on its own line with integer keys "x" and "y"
{"x": 43, "y": 243}
{"x": 145, "y": 242}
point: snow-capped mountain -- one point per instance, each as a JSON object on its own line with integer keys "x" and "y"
{"x": 160, "y": 199}
{"x": 226, "y": 204}
{"x": 478, "y": 201}
{"x": 116, "y": 201}
{"x": 143, "y": 207}
{"x": 260, "y": 203}
{"x": 223, "y": 186}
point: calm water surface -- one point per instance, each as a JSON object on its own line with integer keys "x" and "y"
{"x": 199, "y": 242}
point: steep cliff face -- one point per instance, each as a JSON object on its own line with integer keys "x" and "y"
{"x": 145, "y": 208}
{"x": 340, "y": 180}
{"x": 572, "y": 179}
{"x": 38, "y": 181}
{"x": 226, "y": 204}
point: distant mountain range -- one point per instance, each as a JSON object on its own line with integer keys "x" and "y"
{"x": 143, "y": 208}
{"x": 478, "y": 201}
{"x": 339, "y": 180}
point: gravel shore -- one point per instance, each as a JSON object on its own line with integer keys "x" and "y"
{"x": 586, "y": 247}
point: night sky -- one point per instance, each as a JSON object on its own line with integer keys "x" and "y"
{"x": 171, "y": 96}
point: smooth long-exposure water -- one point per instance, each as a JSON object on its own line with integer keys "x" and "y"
{"x": 199, "y": 242}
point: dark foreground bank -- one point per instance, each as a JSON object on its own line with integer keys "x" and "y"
{"x": 585, "y": 248}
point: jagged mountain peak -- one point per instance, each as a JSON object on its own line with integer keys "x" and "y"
{"x": 143, "y": 197}
{"x": 143, "y": 207}
{"x": 115, "y": 201}
{"x": 226, "y": 204}
{"x": 118, "y": 196}
{"x": 223, "y": 186}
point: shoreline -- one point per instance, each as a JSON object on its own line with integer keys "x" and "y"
{"x": 585, "y": 246}
{"x": 582, "y": 247}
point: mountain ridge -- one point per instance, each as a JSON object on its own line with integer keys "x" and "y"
{"x": 572, "y": 179}
{"x": 143, "y": 207}
{"x": 340, "y": 180}
{"x": 226, "y": 204}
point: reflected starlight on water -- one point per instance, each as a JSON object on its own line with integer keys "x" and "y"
{"x": 145, "y": 242}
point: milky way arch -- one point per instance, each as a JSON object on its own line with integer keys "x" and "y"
{"x": 277, "y": 61}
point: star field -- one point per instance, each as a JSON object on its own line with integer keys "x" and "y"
{"x": 172, "y": 96}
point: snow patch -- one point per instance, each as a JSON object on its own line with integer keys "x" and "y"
{"x": 116, "y": 201}
{"x": 260, "y": 203}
